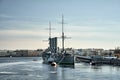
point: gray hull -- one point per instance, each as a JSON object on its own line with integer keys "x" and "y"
{"x": 62, "y": 60}
{"x": 67, "y": 60}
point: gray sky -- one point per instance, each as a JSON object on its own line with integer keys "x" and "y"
{"x": 90, "y": 23}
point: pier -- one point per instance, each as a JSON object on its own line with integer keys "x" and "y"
{"x": 96, "y": 60}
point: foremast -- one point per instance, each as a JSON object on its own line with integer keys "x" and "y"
{"x": 63, "y": 37}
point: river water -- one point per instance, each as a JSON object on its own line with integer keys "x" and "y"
{"x": 32, "y": 68}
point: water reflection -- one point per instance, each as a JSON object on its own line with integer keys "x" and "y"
{"x": 53, "y": 73}
{"x": 67, "y": 66}
{"x": 59, "y": 72}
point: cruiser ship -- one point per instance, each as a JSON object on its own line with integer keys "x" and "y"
{"x": 54, "y": 54}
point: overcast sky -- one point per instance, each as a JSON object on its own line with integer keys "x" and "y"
{"x": 89, "y": 23}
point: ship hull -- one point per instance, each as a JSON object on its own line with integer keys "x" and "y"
{"x": 61, "y": 60}
{"x": 67, "y": 60}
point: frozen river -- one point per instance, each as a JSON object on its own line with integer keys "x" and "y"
{"x": 32, "y": 68}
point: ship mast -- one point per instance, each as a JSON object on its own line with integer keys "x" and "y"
{"x": 63, "y": 33}
{"x": 49, "y": 35}
{"x": 49, "y": 30}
